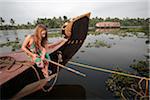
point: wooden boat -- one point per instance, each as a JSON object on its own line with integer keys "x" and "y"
{"x": 16, "y": 71}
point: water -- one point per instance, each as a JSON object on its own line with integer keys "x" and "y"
{"x": 121, "y": 54}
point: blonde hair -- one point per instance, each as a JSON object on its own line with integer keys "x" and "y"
{"x": 38, "y": 39}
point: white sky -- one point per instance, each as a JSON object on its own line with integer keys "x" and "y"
{"x": 28, "y": 10}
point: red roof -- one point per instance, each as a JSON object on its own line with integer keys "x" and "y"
{"x": 108, "y": 24}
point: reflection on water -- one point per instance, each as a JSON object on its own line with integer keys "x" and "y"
{"x": 60, "y": 92}
{"x": 103, "y": 30}
{"x": 124, "y": 50}
{"x": 10, "y": 37}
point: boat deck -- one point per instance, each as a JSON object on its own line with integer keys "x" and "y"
{"x": 21, "y": 64}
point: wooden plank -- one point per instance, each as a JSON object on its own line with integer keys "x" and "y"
{"x": 13, "y": 72}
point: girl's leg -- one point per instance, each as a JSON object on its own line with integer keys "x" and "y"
{"x": 48, "y": 57}
{"x": 43, "y": 69}
{"x": 46, "y": 65}
{"x": 43, "y": 65}
{"x": 46, "y": 69}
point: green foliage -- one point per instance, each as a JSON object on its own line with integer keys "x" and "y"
{"x": 1, "y": 21}
{"x": 12, "y": 21}
{"x": 142, "y": 67}
{"x": 116, "y": 82}
{"x": 94, "y": 33}
{"x": 97, "y": 44}
{"x": 14, "y": 44}
{"x": 58, "y": 22}
{"x": 124, "y": 22}
{"x": 51, "y": 35}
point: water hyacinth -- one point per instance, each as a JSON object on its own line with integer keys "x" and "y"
{"x": 97, "y": 44}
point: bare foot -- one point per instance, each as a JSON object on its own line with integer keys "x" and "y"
{"x": 45, "y": 75}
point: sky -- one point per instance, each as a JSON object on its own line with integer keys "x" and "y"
{"x": 23, "y": 11}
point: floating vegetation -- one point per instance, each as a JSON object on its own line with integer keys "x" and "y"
{"x": 14, "y": 44}
{"x": 97, "y": 44}
{"x": 114, "y": 43}
{"x": 94, "y": 33}
{"x": 142, "y": 67}
{"x": 82, "y": 51}
{"x": 147, "y": 42}
{"x": 9, "y": 43}
{"x": 127, "y": 87}
{"x": 111, "y": 38}
{"x": 52, "y": 35}
{"x": 77, "y": 57}
{"x": 16, "y": 47}
{"x": 121, "y": 33}
{"x": 116, "y": 82}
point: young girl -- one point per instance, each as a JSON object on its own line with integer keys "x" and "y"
{"x": 36, "y": 47}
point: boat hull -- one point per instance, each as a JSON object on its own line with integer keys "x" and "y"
{"x": 78, "y": 28}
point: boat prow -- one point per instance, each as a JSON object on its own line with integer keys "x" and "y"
{"x": 19, "y": 72}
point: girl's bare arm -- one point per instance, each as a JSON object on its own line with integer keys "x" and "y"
{"x": 24, "y": 46}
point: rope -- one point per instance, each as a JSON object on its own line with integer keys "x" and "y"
{"x": 106, "y": 70}
{"x": 36, "y": 72}
{"x": 56, "y": 77}
{"x": 38, "y": 76}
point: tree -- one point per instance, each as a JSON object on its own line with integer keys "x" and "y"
{"x": 65, "y": 18}
{"x": 1, "y": 21}
{"x": 108, "y": 19}
{"x": 29, "y": 25}
{"x": 12, "y": 21}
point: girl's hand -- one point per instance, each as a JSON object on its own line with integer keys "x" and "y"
{"x": 43, "y": 57}
{"x": 34, "y": 56}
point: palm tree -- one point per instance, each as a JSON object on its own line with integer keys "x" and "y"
{"x": 65, "y": 18}
{"x": 29, "y": 25}
{"x": 60, "y": 21}
{"x": 12, "y": 21}
{"x": 1, "y": 21}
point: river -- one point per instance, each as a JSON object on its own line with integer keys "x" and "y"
{"x": 121, "y": 53}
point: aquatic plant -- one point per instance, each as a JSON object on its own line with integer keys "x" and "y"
{"x": 82, "y": 51}
{"x": 97, "y": 44}
{"x": 51, "y": 35}
{"x": 14, "y": 44}
{"x": 116, "y": 82}
{"x": 8, "y": 43}
{"x": 123, "y": 86}
{"x": 142, "y": 67}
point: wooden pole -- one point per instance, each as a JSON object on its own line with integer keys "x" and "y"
{"x": 147, "y": 89}
{"x": 106, "y": 70}
{"x": 70, "y": 69}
